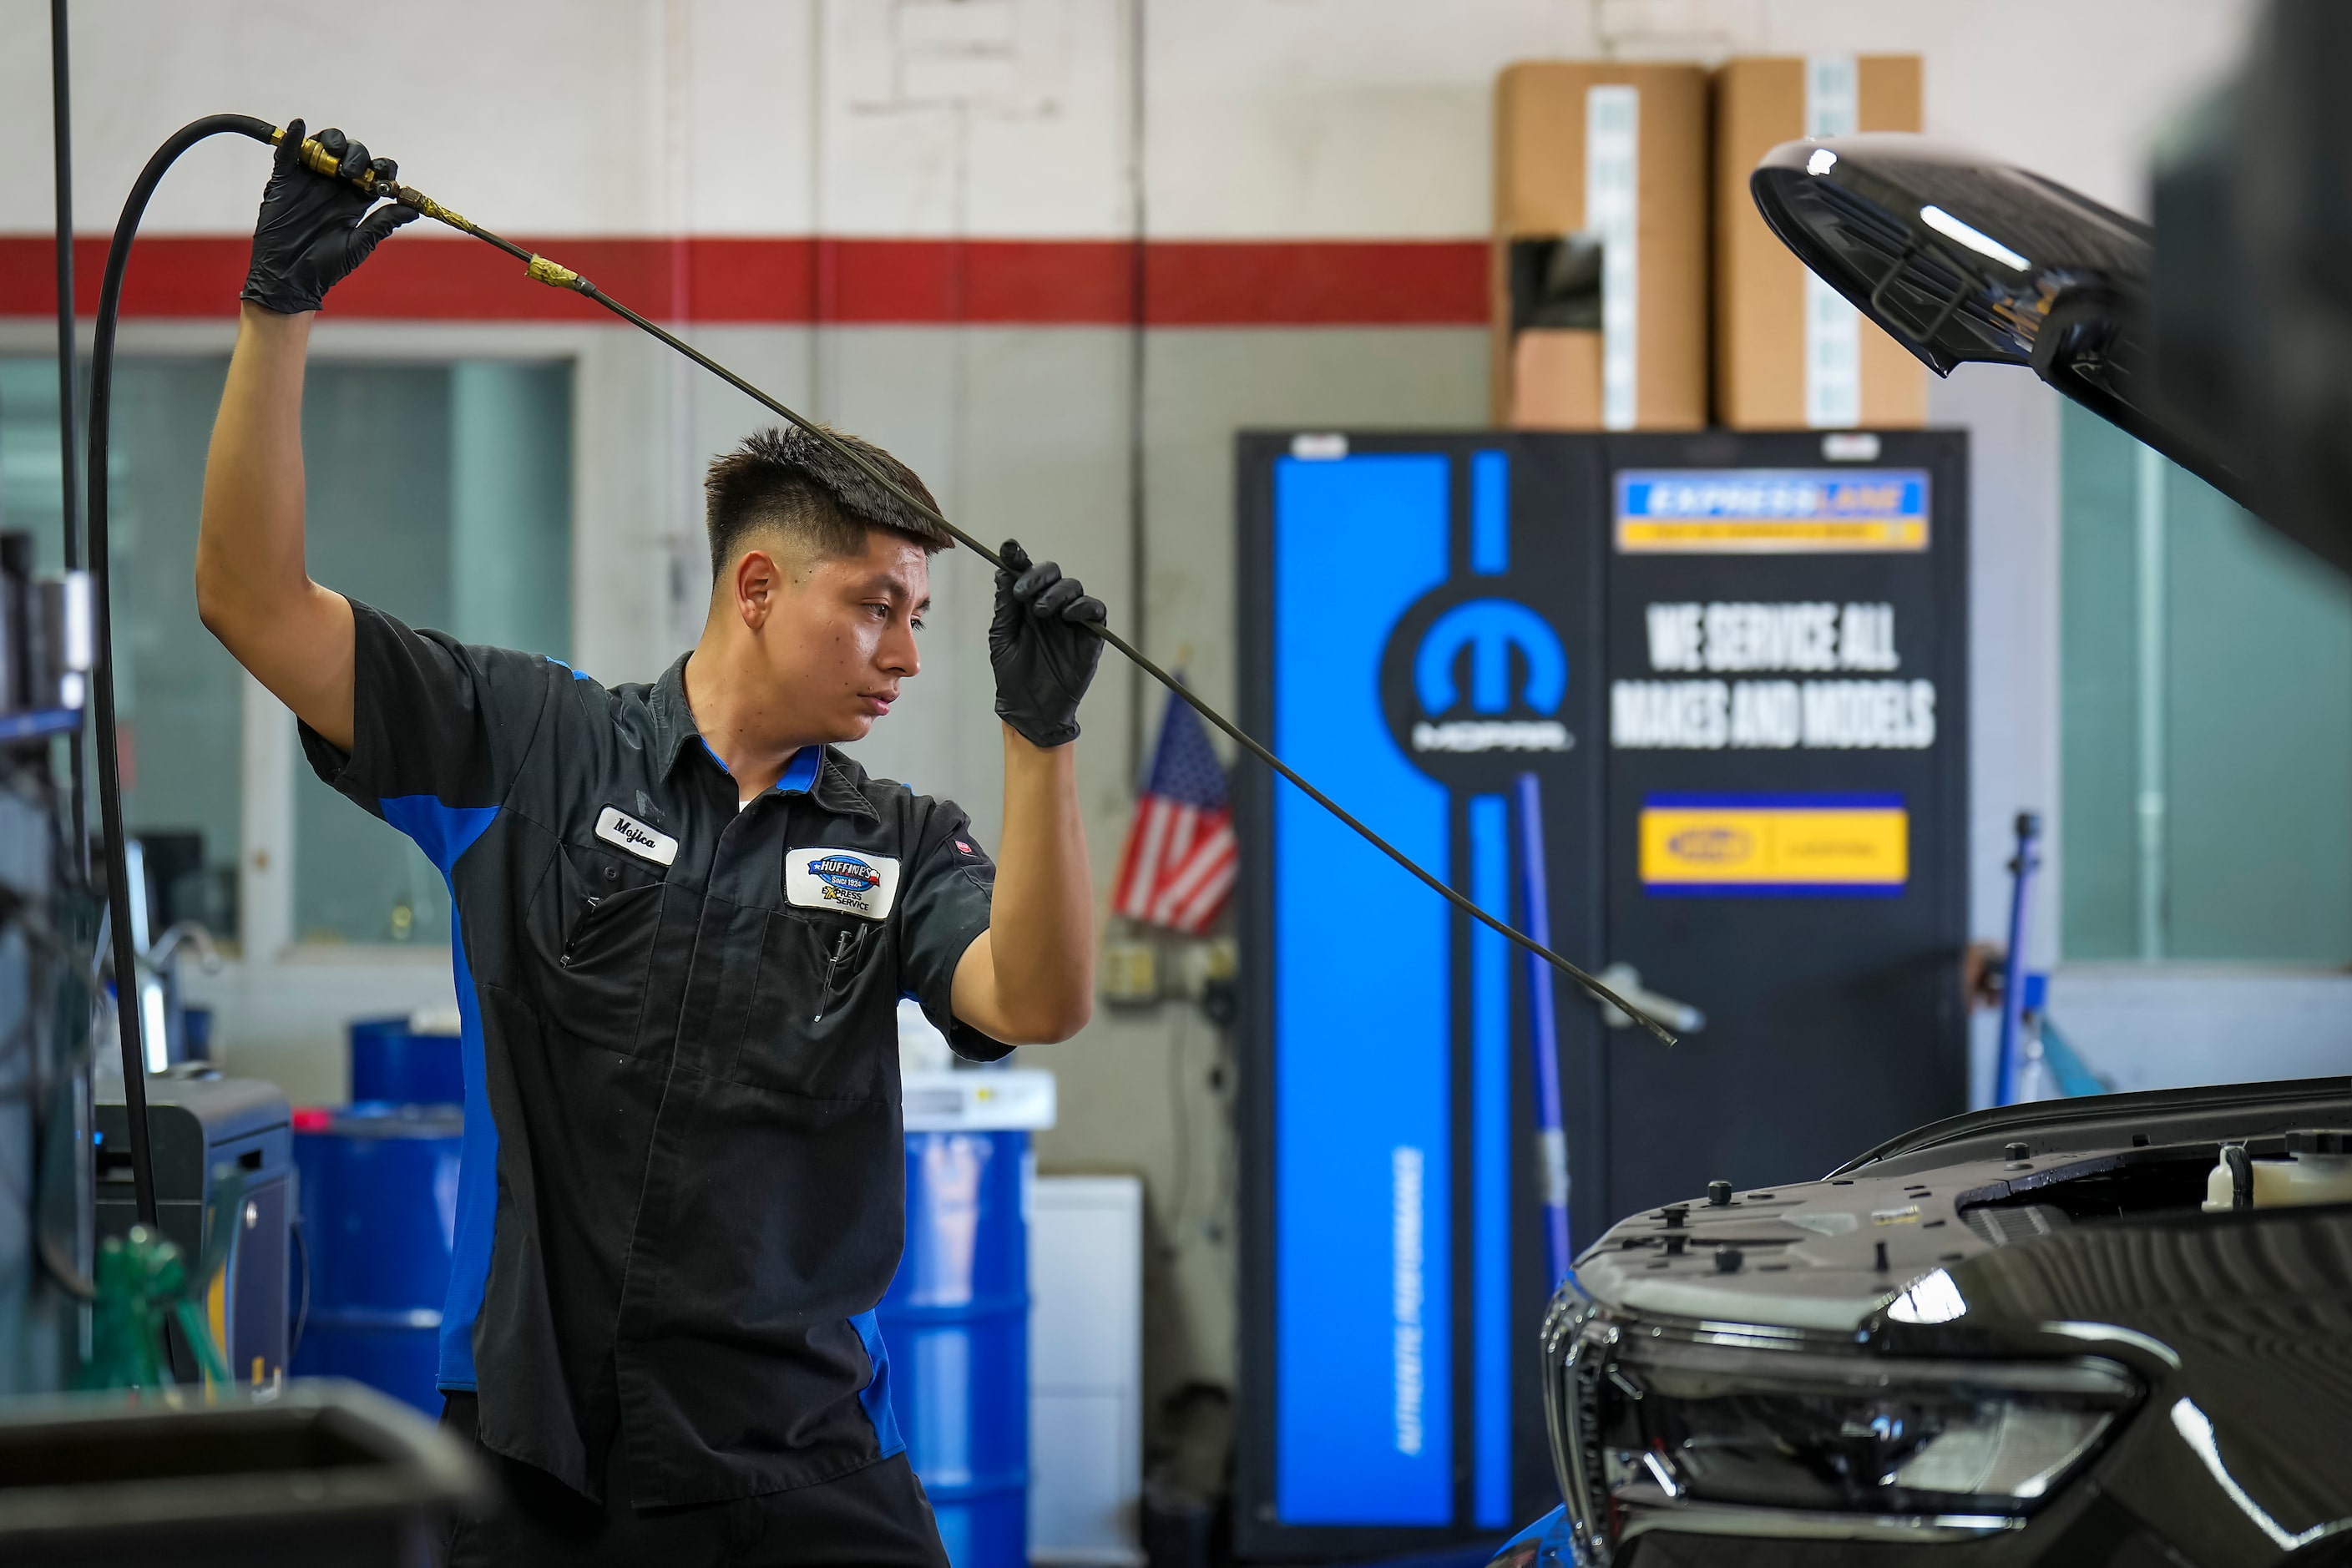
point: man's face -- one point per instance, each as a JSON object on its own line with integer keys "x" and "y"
{"x": 837, "y": 637}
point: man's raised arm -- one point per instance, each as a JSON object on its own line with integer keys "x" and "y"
{"x": 252, "y": 589}
{"x": 1029, "y": 978}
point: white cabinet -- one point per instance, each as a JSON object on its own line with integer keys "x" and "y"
{"x": 1086, "y": 1370}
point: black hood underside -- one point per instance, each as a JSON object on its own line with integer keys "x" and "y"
{"x": 1961, "y": 260}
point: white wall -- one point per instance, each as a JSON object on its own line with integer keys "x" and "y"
{"x": 1258, "y": 118}
{"x": 1007, "y": 117}
{"x": 2141, "y": 1028}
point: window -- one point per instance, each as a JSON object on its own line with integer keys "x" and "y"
{"x": 176, "y": 690}
{"x": 438, "y": 493}
{"x": 2206, "y": 721}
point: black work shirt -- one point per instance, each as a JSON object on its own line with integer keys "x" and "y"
{"x": 683, "y": 1187}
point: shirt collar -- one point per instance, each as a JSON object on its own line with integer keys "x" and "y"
{"x": 834, "y": 788}
{"x": 673, "y": 720}
{"x": 813, "y": 770}
{"x": 801, "y": 771}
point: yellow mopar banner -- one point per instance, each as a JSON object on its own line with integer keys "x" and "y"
{"x": 1854, "y": 846}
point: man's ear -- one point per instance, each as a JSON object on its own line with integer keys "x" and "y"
{"x": 759, "y": 583}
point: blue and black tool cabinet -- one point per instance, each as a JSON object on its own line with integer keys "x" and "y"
{"x": 1730, "y": 671}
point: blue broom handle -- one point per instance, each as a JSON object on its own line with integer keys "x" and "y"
{"x": 1551, "y": 1134}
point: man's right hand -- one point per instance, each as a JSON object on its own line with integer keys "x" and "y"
{"x": 314, "y": 228}
{"x": 1039, "y": 643}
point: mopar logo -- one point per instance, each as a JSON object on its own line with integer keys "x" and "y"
{"x": 1476, "y": 683}
{"x": 1491, "y": 629}
{"x": 1501, "y": 637}
{"x": 1712, "y": 845}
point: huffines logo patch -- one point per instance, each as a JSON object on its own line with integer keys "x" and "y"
{"x": 851, "y": 881}
{"x": 846, "y": 878}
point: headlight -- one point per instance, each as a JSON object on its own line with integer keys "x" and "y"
{"x": 1799, "y": 1429}
{"x": 1751, "y": 1431}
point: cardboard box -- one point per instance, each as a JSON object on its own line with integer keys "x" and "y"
{"x": 1790, "y": 353}
{"x": 1600, "y": 250}
{"x": 1555, "y": 380}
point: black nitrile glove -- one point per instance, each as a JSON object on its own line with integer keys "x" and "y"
{"x": 313, "y": 229}
{"x": 1040, "y": 646}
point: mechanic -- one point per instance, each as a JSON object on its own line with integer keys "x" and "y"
{"x": 683, "y": 924}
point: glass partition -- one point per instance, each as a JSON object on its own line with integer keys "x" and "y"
{"x": 439, "y": 493}
{"x": 2206, "y": 721}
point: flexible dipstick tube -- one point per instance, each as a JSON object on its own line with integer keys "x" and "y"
{"x": 541, "y": 270}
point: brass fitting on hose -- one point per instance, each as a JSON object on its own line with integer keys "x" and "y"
{"x": 554, "y": 274}
{"x": 417, "y": 201}
{"x": 319, "y": 161}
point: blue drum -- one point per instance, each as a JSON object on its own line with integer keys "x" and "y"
{"x": 955, "y": 1326}
{"x": 393, "y": 1062}
{"x": 379, "y": 1207}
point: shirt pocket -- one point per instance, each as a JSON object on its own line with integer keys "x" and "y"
{"x": 593, "y": 932}
{"x": 823, "y": 1007}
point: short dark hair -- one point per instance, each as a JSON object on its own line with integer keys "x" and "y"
{"x": 785, "y": 478}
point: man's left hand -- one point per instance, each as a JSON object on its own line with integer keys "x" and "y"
{"x": 1041, "y": 645}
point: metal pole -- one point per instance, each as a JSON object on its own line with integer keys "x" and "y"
{"x": 69, "y": 399}
{"x": 1138, "y": 539}
{"x": 2153, "y": 893}
{"x": 2013, "y": 966}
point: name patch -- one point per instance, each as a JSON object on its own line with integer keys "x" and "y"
{"x": 851, "y": 880}
{"x": 613, "y": 826}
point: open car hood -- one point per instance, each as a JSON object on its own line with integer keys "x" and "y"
{"x": 1960, "y": 259}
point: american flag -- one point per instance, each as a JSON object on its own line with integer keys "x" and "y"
{"x": 1180, "y": 857}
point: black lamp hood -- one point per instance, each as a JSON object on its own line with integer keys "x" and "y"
{"x": 1961, "y": 259}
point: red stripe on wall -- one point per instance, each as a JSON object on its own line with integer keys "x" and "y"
{"x": 1318, "y": 283}
{"x": 1008, "y": 282}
